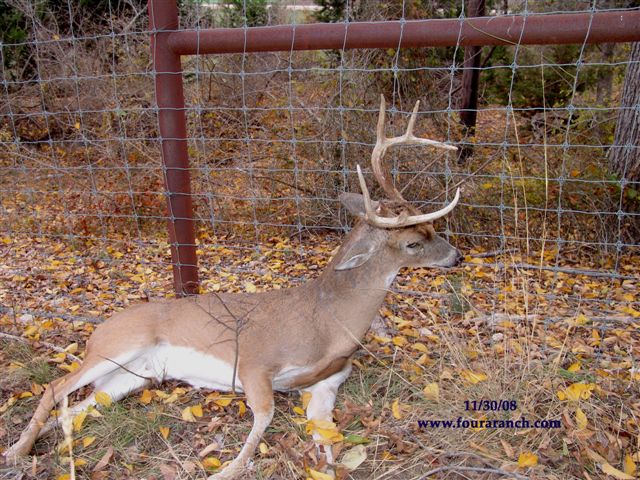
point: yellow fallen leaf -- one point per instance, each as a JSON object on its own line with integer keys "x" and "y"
{"x": 298, "y": 410}
{"x": 473, "y": 377}
{"x": 574, "y": 367}
{"x": 103, "y": 398}
{"x": 197, "y": 410}
{"x": 263, "y": 448}
{"x": 187, "y": 415}
{"x": 250, "y": 287}
{"x": 615, "y": 473}
{"x": 223, "y": 401}
{"x": 86, "y": 441}
{"x": 326, "y": 429}
{"x": 160, "y": 394}
{"x": 79, "y": 462}
{"x": 421, "y": 347}
{"x": 64, "y": 476}
{"x": 78, "y": 420}
{"x": 630, "y": 467}
{"x": 527, "y": 459}
{"x": 72, "y": 348}
{"x": 93, "y": 412}
{"x": 581, "y": 419}
{"x": 315, "y": 475}
{"x": 164, "y": 431}
{"x": 242, "y": 408}
{"x": 381, "y": 339}
{"x": 576, "y": 392}
{"x": 399, "y": 341}
{"x": 432, "y": 391}
{"x": 581, "y": 320}
{"x": 395, "y": 409}
{"x": 70, "y": 368}
{"x": 306, "y": 398}
{"x": 146, "y": 397}
{"x": 211, "y": 462}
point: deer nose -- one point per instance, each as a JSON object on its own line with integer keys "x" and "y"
{"x": 459, "y": 258}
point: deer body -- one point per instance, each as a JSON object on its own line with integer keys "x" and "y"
{"x": 300, "y": 338}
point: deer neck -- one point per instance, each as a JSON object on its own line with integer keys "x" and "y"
{"x": 353, "y": 297}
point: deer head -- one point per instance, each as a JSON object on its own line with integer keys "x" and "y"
{"x": 394, "y": 225}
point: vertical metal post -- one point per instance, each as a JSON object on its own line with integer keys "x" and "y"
{"x": 163, "y": 18}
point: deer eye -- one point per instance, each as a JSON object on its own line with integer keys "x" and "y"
{"x": 413, "y": 245}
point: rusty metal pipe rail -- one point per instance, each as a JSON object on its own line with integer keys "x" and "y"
{"x": 623, "y": 26}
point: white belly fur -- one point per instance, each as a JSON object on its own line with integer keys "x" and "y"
{"x": 168, "y": 362}
{"x": 193, "y": 367}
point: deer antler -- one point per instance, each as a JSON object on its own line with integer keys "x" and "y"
{"x": 382, "y": 144}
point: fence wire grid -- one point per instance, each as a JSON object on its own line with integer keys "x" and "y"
{"x": 549, "y": 229}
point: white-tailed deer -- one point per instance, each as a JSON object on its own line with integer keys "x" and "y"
{"x": 296, "y": 339}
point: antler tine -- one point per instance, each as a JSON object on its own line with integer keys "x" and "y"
{"x": 383, "y": 143}
{"x": 370, "y": 213}
{"x": 412, "y": 120}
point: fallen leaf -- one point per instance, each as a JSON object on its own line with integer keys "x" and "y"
{"x": 86, "y": 441}
{"x": 197, "y": 410}
{"x": 103, "y": 399}
{"x": 629, "y": 465}
{"x": 354, "y": 457}
{"x": 527, "y": 459}
{"x": 574, "y": 367}
{"x": 576, "y": 392}
{"x": 581, "y": 419}
{"x": 315, "y": 475}
{"x": 187, "y": 415}
{"x": 395, "y": 409}
{"x": 164, "y": 431}
{"x": 614, "y": 472}
{"x": 211, "y": 462}
{"x": 432, "y": 391}
{"x": 473, "y": 377}
{"x": 146, "y": 397}
{"x": 104, "y": 461}
{"x": 78, "y": 420}
{"x": 223, "y": 401}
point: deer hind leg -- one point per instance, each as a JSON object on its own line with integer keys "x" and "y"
{"x": 259, "y": 391}
{"x": 92, "y": 370}
{"x": 320, "y": 407}
{"x": 117, "y": 384}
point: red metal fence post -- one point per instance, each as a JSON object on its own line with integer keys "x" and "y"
{"x": 163, "y": 18}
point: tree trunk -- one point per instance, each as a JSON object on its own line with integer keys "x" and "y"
{"x": 470, "y": 79}
{"x": 625, "y": 151}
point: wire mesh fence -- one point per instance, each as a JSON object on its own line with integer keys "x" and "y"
{"x": 275, "y": 137}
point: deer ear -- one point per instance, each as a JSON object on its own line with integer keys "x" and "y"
{"x": 354, "y": 203}
{"x": 356, "y": 255}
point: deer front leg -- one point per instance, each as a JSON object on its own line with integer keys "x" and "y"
{"x": 323, "y": 399}
{"x": 259, "y": 391}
